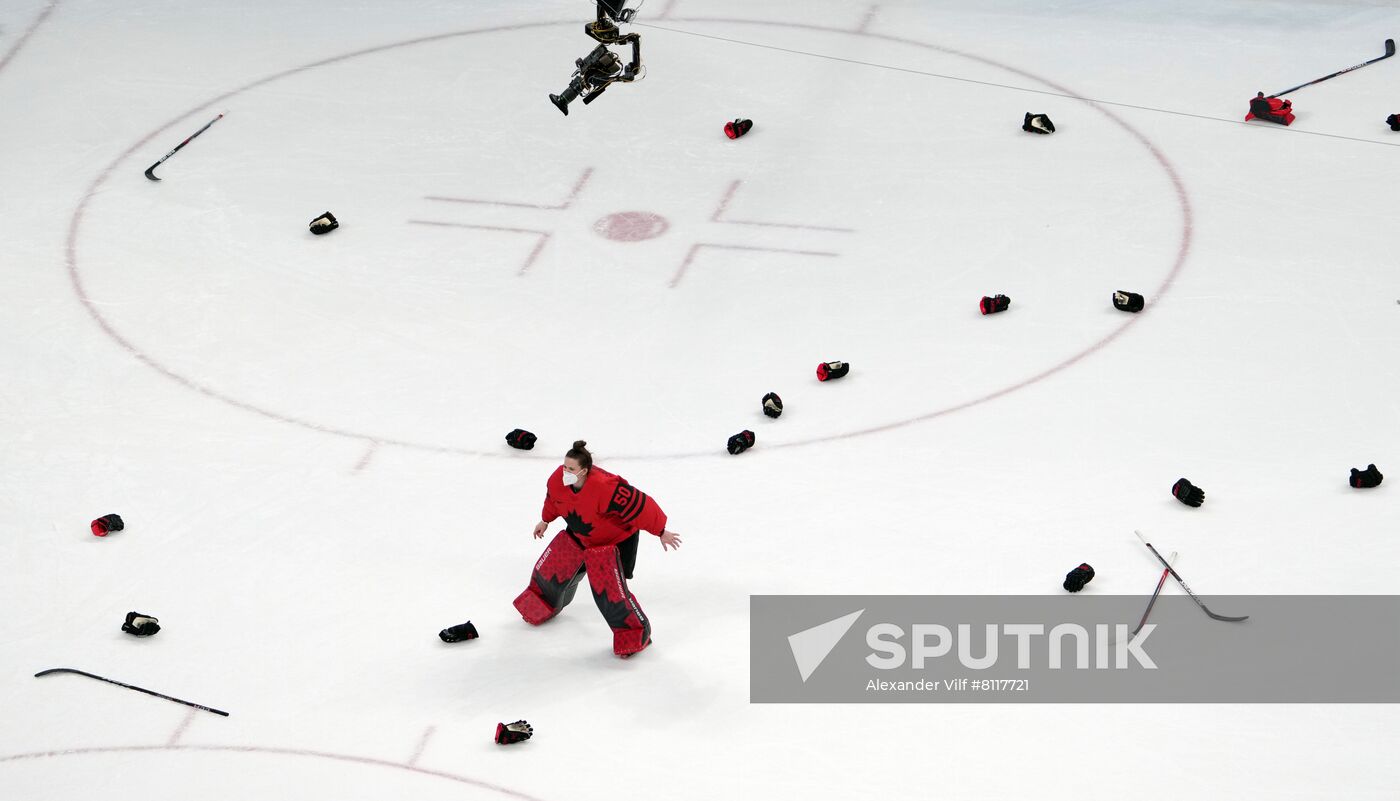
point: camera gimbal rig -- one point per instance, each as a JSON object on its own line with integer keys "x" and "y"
{"x": 601, "y": 67}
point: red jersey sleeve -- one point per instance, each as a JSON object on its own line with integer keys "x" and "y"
{"x": 634, "y": 509}
{"x": 550, "y": 512}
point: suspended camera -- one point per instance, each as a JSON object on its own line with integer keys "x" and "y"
{"x": 601, "y": 68}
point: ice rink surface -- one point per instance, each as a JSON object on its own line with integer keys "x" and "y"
{"x": 304, "y": 434}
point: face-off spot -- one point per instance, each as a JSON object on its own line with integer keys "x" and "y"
{"x": 631, "y": 226}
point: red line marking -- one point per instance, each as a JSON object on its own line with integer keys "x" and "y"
{"x": 695, "y": 248}
{"x": 15, "y": 48}
{"x": 369, "y": 454}
{"x": 105, "y": 174}
{"x": 255, "y": 749}
{"x": 180, "y": 730}
{"x": 869, "y": 16}
{"x": 733, "y": 189}
{"x": 529, "y": 260}
{"x": 568, "y": 201}
{"x": 422, "y": 743}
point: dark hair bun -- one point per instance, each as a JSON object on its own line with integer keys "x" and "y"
{"x": 578, "y": 443}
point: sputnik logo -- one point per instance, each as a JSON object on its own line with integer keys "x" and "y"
{"x": 811, "y": 647}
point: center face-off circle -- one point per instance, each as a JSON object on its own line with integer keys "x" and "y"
{"x": 481, "y": 283}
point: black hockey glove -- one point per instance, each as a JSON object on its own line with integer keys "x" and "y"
{"x": 772, "y": 405}
{"x": 521, "y": 439}
{"x": 1365, "y": 479}
{"x": 107, "y": 523}
{"x": 827, "y": 371}
{"x": 741, "y": 442}
{"x": 1393, "y": 121}
{"x": 517, "y": 732}
{"x": 1038, "y": 123}
{"x": 994, "y": 304}
{"x": 140, "y": 625}
{"x": 1188, "y": 493}
{"x": 1127, "y": 301}
{"x": 324, "y": 224}
{"x": 459, "y": 632}
{"x": 1078, "y": 577}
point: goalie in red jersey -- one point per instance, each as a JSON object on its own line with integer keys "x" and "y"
{"x": 604, "y": 517}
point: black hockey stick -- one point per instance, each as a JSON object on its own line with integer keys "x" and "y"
{"x": 1389, "y": 51}
{"x": 150, "y": 171}
{"x": 1184, "y": 585}
{"x": 1160, "y": 582}
{"x": 130, "y": 687}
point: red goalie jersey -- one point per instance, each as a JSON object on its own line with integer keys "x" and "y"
{"x": 606, "y": 511}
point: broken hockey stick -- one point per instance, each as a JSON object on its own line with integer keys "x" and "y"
{"x": 130, "y": 687}
{"x": 150, "y": 171}
{"x": 1389, "y": 51}
{"x": 1184, "y": 585}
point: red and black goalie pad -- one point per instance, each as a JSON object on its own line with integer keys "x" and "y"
{"x": 520, "y": 439}
{"x": 554, "y": 580}
{"x": 1365, "y": 479}
{"x": 107, "y": 523}
{"x": 630, "y": 626}
{"x": 994, "y": 304}
{"x": 827, "y": 371}
{"x": 737, "y": 128}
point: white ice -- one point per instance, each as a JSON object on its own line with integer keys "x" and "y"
{"x": 305, "y": 434}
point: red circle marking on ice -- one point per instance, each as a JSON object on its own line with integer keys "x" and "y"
{"x": 631, "y": 226}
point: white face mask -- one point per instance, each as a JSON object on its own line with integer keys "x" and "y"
{"x": 570, "y": 479}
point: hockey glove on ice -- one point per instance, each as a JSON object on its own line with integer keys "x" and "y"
{"x": 1365, "y": 479}
{"x": 517, "y": 732}
{"x": 107, "y": 523}
{"x": 1078, "y": 577}
{"x": 772, "y": 405}
{"x": 140, "y": 625}
{"x": 1188, "y": 493}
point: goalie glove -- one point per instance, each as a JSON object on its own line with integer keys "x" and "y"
{"x": 324, "y": 224}
{"x": 517, "y": 732}
{"x": 140, "y": 625}
{"x": 1038, "y": 123}
{"x": 1188, "y": 493}
{"x": 459, "y": 632}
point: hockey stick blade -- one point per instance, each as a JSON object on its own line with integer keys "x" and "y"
{"x": 1186, "y": 586}
{"x": 1389, "y": 51}
{"x": 150, "y": 171}
{"x": 130, "y": 687}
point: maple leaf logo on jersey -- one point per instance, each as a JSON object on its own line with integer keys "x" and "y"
{"x": 575, "y": 524}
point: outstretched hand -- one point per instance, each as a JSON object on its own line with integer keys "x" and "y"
{"x": 669, "y": 539}
{"x": 540, "y": 529}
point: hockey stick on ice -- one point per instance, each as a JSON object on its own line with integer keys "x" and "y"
{"x": 1160, "y": 582}
{"x": 150, "y": 171}
{"x": 1389, "y": 51}
{"x": 1184, "y": 585}
{"x": 130, "y": 687}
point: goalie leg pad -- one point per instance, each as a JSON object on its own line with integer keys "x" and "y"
{"x": 630, "y": 626}
{"x": 554, "y": 580}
